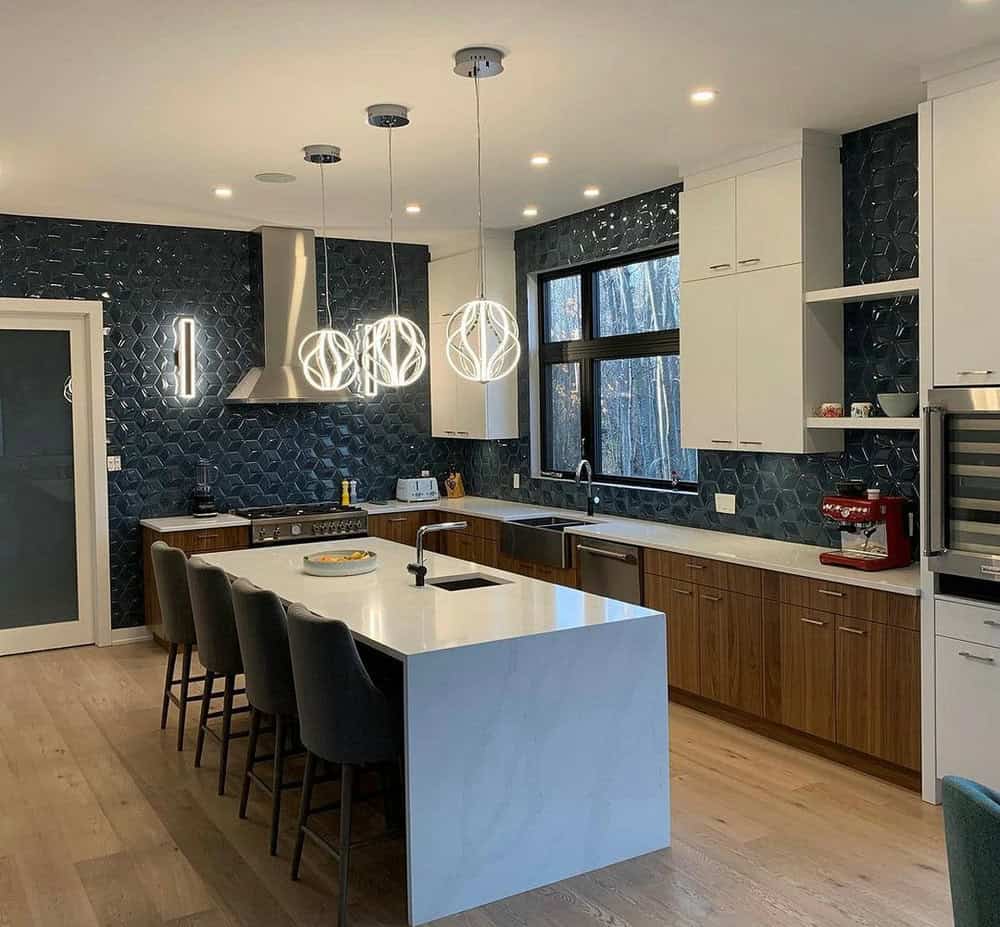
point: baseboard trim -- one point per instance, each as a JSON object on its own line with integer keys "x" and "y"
{"x": 872, "y": 765}
{"x": 130, "y": 635}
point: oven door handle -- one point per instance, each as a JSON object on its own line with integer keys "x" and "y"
{"x": 932, "y": 458}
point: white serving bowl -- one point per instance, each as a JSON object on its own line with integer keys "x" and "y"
{"x": 314, "y": 566}
{"x": 898, "y": 405}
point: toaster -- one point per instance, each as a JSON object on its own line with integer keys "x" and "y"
{"x": 417, "y": 489}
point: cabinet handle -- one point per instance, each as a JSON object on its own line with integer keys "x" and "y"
{"x": 711, "y": 598}
{"x": 973, "y": 373}
{"x": 695, "y": 566}
{"x": 749, "y": 261}
{"x": 722, "y": 440}
{"x": 754, "y": 443}
{"x": 396, "y": 521}
{"x": 860, "y": 632}
{"x": 990, "y": 571}
{"x": 718, "y": 266}
{"x": 976, "y": 657}
{"x": 836, "y": 595}
{"x": 815, "y": 621}
{"x": 607, "y": 554}
{"x": 461, "y": 432}
{"x": 682, "y": 591}
{"x": 206, "y": 537}
{"x": 990, "y": 623}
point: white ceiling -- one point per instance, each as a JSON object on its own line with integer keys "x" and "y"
{"x": 134, "y": 111}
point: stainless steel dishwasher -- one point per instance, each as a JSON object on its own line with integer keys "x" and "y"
{"x": 610, "y": 569}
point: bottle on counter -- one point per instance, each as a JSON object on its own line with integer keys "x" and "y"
{"x": 354, "y": 492}
{"x": 345, "y": 492}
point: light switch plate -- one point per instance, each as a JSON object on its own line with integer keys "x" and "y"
{"x": 114, "y": 464}
{"x": 517, "y": 480}
{"x": 725, "y": 503}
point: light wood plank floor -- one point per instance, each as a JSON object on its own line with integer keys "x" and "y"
{"x": 103, "y": 823}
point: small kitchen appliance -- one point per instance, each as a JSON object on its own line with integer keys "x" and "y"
{"x": 310, "y": 521}
{"x": 202, "y": 496}
{"x": 417, "y": 489}
{"x": 872, "y": 532}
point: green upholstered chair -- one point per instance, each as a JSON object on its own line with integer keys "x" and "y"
{"x": 972, "y": 832}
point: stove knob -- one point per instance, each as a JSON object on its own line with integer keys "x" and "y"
{"x": 296, "y": 530}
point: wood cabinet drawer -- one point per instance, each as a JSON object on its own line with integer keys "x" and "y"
{"x": 963, "y": 621}
{"x": 715, "y": 573}
{"x": 851, "y": 601}
{"x": 208, "y": 540}
{"x": 968, "y": 704}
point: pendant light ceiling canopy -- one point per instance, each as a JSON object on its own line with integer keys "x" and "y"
{"x": 393, "y": 349}
{"x": 482, "y": 338}
{"x": 328, "y": 357}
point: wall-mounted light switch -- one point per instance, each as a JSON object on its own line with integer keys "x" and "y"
{"x": 114, "y": 464}
{"x": 517, "y": 480}
{"x": 725, "y": 503}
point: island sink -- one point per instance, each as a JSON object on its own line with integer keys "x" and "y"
{"x": 471, "y": 581}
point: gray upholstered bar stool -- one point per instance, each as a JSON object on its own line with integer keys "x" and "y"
{"x": 170, "y": 570}
{"x": 267, "y": 662}
{"x": 219, "y": 651}
{"x": 344, "y": 720}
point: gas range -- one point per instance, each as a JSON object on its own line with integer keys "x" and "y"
{"x": 309, "y": 521}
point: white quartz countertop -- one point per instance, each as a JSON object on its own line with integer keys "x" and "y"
{"x": 386, "y": 609}
{"x": 763, "y": 553}
{"x": 190, "y": 523}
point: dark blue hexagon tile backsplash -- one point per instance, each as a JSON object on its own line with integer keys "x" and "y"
{"x": 146, "y": 276}
{"x": 777, "y": 495}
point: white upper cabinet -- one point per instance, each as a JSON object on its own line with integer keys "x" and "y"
{"x": 708, "y": 241}
{"x": 769, "y": 217}
{"x": 461, "y": 408}
{"x": 965, "y": 240}
{"x": 755, "y": 359}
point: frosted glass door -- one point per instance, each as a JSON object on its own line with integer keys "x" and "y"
{"x": 40, "y": 464}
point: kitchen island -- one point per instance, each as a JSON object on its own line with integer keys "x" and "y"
{"x": 536, "y": 742}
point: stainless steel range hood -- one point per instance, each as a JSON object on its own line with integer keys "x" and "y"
{"x": 288, "y": 259}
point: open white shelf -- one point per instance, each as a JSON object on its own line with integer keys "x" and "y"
{"x": 855, "y": 294}
{"x": 865, "y": 424}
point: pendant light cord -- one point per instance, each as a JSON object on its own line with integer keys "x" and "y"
{"x": 479, "y": 184}
{"x": 326, "y": 258}
{"x": 392, "y": 233}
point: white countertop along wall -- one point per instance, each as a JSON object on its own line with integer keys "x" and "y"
{"x": 763, "y": 553}
{"x": 190, "y": 523}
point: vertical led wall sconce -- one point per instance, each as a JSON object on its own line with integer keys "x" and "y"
{"x": 184, "y": 357}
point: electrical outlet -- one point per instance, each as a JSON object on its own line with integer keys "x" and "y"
{"x": 517, "y": 480}
{"x": 725, "y": 503}
{"x": 114, "y": 464}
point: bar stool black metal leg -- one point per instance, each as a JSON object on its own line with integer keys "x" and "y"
{"x": 227, "y": 723}
{"x": 308, "y": 778}
{"x": 277, "y": 780}
{"x": 171, "y": 664}
{"x": 206, "y": 701}
{"x": 346, "y": 794}
{"x": 182, "y": 706}
{"x": 251, "y": 756}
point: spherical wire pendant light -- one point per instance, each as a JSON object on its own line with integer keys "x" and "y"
{"x": 482, "y": 341}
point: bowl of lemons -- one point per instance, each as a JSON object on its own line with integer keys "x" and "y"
{"x": 340, "y": 562}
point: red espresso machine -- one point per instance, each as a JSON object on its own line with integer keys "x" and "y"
{"x": 872, "y": 531}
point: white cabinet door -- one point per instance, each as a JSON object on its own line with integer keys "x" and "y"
{"x": 708, "y": 230}
{"x": 443, "y": 386}
{"x": 968, "y": 705}
{"x": 769, "y": 217}
{"x": 966, "y": 194}
{"x": 708, "y": 364}
{"x": 770, "y": 415}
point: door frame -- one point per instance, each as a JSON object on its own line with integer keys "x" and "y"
{"x": 96, "y": 529}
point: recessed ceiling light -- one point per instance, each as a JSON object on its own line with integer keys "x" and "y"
{"x": 540, "y": 160}
{"x": 530, "y": 211}
{"x": 274, "y": 177}
{"x": 223, "y": 193}
{"x": 413, "y": 208}
{"x": 704, "y": 95}
{"x": 592, "y": 192}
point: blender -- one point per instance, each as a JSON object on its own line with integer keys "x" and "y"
{"x": 202, "y": 497}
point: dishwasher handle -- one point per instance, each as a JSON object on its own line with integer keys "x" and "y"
{"x": 608, "y": 554}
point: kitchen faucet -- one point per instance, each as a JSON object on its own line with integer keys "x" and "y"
{"x": 418, "y": 569}
{"x": 592, "y": 500}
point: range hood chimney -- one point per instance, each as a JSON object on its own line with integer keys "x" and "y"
{"x": 288, "y": 259}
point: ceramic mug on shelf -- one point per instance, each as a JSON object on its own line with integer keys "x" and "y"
{"x": 831, "y": 410}
{"x": 862, "y": 409}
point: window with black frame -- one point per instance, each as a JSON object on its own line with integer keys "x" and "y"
{"x": 610, "y": 372}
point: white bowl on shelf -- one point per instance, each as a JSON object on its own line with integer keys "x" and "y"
{"x": 345, "y": 564}
{"x": 898, "y": 405}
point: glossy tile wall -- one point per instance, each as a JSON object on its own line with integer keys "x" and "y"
{"x": 148, "y": 275}
{"x": 777, "y": 495}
